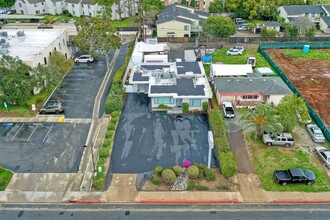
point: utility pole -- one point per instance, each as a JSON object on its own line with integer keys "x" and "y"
{"x": 142, "y": 14}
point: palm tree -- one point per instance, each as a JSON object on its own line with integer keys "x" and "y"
{"x": 263, "y": 118}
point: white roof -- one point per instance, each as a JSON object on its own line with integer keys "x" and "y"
{"x": 33, "y": 43}
{"x": 147, "y": 47}
{"x": 231, "y": 69}
{"x": 264, "y": 70}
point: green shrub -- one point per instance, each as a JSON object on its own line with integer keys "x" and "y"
{"x": 209, "y": 174}
{"x": 159, "y": 170}
{"x": 185, "y": 107}
{"x": 154, "y": 179}
{"x": 99, "y": 183}
{"x": 104, "y": 153}
{"x": 228, "y": 164}
{"x": 201, "y": 188}
{"x": 223, "y": 188}
{"x": 111, "y": 126}
{"x": 101, "y": 162}
{"x": 205, "y": 105}
{"x": 201, "y": 174}
{"x": 193, "y": 171}
{"x": 47, "y": 21}
{"x": 162, "y": 106}
{"x": 107, "y": 142}
{"x": 191, "y": 186}
{"x": 2, "y": 169}
{"x": 109, "y": 134}
{"x": 177, "y": 170}
{"x": 115, "y": 114}
{"x": 114, "y": 120}
{"x": 168, "y": 176}
{"x": 52, "y": 22}
{"x": 22, "y": 112}
{"x": 113, "y": 103}
{"x": 120, "y": 73}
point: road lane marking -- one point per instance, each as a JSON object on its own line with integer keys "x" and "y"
{"x": 17, "y": 132}
{"x": 47, "y": 134}
{"x": 32, "y": 133}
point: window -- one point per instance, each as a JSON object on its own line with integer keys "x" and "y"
{"x": 195, "y": 103}
{"x": 72, "y": 5}
{"x": 20, "y": 5}
{"x": 73, "y": 12}
{"x": 63, "y": 42}
{"x": 54, "y": 3}
{"x": 42, "y": 3}
{"x": 59, "y": 46}
{"x": 186, "y": 27}
{"x": 164, "y": 100}
{"x": 89, "y": 6}
{"x": 43, "y": 10}
{"x": 250, "y": 97}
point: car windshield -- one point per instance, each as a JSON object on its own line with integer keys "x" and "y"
{"x": 320, "y": 135}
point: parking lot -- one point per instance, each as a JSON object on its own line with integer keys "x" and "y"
{"x": 42, "y": 147}
{"x": 147, "y": 139}
{"x": 80, "y": 87}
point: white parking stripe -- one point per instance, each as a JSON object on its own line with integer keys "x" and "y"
{"x": 32, "y": 133}
{"x": 17, "y": 132}
{"x": 47, "y": 133}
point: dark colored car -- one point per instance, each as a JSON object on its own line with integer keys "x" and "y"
{"x": 52, "y": 108}
{"x": 294, "y": 175}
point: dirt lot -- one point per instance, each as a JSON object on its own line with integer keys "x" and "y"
{"x": 311, "y": 77}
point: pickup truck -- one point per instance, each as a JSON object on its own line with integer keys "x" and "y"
{"x": 284, "y": 139}
{"x": 228, "y": 110}
{"x": 294, "y": 175}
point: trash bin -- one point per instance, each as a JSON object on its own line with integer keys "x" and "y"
{"x": 306, "y": 49}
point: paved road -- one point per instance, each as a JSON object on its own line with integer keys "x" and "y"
{"x": 42, "y": 147}
{"x": 136, "y": 212}
{"x": 80, "y": 87}
{"x": 147, "y": 139}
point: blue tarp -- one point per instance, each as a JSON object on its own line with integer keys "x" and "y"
{"x": 207, "y": 58}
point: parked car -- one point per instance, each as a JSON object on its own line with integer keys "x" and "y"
{"x": 228, "y": 110}
{"x": 84, "y": 59}
{"x": 234, "y": 52}
{"x": 315, "y": 133}
{"x": 241, "y": 48}
{"x": 308, "y": 120}
{"x": 324, "y": 154}
{"x": 54, "y": 108}
{"x": 278, "y": 139}
{"x": 294, "y": 175}
{"x": 72, "y": 20}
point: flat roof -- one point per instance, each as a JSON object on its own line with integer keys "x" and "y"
{"x": 183, "y": 87}
{"x": 30, "y": 45}
{"x": 231, "y": 69}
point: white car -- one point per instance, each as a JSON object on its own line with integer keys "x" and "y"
{"x": 324, "y": 154}
{"x": 234, "y": 52}
{"x": 228, "y": 110}
{"x": 241, "y": 48}
{"x": 315, "y": 133}
{"x": 84, "y": 59}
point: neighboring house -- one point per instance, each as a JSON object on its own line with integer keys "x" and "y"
{"x": 179, "y": 20}
{"x": 34, "y": 47}
{"x": 313, "y": 12}
{"x": 126, "y": 8}
{"x": 325, "y": 24}
{"x": 250, "y": 90}
{"x": 201, "y": 5}
{"x": 75, "y": 7}
{"x": 230, "y": 70}
{"x": 141, "y": 49}
{"x": 271, "y": 25}
{"x": 172, "y": 84}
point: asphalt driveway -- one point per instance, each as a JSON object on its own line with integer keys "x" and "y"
{"x": 42, "y": 147}
{"x": 80, "y": 88}
{"x": 145, "y": 139}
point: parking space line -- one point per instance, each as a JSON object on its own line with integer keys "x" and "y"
{"x": 32, "y": 133}
{"x": 47, "y": 133}
{"x": 17, "y": 132}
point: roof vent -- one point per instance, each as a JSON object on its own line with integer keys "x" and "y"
{"x": 4, "y": 34}
{"x": 20, "y": 34}
{"x": 251, "y": 80}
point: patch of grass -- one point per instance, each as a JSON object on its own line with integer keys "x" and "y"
{"x": 5, "y": 176}
{"x": 268, "y": 159}
{"x": 126, "y": 23}
{"x": 312, "y": 54}
{"x": 258, "y": 21}
{"x": 220, "y": 56}
{"x": 59, "y": 18}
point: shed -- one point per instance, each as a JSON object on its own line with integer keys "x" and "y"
{"x": 189, "y": 56}
{"x": 264, "y": 71}
{"x": 220, "y": 70}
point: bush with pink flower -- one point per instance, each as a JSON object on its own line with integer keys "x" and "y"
{"x": 186, "y": 163}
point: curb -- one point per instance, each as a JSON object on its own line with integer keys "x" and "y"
{"x": 85, "y": 201}
{"x": 188, "y": 201}
{"x": 301, "y": 201}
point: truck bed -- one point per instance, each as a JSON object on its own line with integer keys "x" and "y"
{"x": 282, "y": 175}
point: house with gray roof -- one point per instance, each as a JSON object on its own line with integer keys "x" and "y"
{"x": 313, "y": 12}
{"x": 179, "y": 20}
{"x": 172, "y": 84}
{"x": 325, "y": 24}
{"x": 250, "y": 90}
{"x": 271, "y": 25}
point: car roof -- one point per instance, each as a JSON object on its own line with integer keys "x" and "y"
{"x": 296, "y": 172}
{"x": 227, "y": 104}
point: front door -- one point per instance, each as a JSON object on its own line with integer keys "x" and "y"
{"x": 178, "y": 102}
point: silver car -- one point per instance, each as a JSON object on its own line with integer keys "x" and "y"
{"x": 284, "y": 139}
{"x": 84, "y": 59}
{"x": 324, "y": 154}
{"x": 234, "y": 52}
{"x": 315, "y": 133}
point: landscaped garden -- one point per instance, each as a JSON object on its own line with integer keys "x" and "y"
{"x": 5, "y": 176}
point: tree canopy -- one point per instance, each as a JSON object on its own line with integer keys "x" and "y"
{"x": 216, "y": 6}
{"x": 96, "y": 36}
{"x": 218, "y": 26}
{"x": 7, "y": 3}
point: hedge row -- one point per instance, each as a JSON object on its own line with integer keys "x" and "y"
{"x": 228, "y": 161}
{"x": 120, "y": 73}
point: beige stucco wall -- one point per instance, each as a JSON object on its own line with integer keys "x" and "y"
{"x": 172, "y": 26}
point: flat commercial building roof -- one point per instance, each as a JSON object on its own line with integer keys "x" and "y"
{"x": 32, "y": 43}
